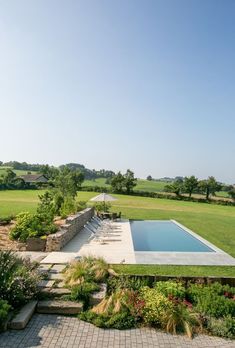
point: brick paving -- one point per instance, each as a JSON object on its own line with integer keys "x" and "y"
{"x": 52, "y": 331}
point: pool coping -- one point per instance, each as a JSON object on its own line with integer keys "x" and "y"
{"x": 201, "y": 239}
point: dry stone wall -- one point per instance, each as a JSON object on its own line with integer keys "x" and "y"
{"x": 74, "y": 224}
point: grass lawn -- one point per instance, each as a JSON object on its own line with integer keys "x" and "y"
{"x": 213, "y": 222}
{"x": 13, "y": 202}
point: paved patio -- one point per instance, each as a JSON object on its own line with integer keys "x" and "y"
{"x": 52, "y": 331}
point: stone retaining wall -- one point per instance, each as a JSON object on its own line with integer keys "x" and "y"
{"x": 73, "y": 225}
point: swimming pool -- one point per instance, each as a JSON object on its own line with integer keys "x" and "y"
{"x": 165, "y": 236}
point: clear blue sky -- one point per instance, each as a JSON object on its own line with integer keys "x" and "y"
{"x": 146, "y": 85}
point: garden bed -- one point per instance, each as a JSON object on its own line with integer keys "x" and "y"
{"x": 6, "y": 243}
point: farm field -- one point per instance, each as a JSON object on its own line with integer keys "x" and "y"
{"x": 146, "y": 185}
{"x": 142, "y": 185}
{"x": 17, "y": 171}
{"x": 213, "y": 222}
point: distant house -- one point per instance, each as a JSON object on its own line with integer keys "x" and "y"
{"x": 34, "y": 178}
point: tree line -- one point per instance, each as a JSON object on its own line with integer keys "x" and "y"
{"x": 52, "y": 171}
{"x": 191, "y": 184}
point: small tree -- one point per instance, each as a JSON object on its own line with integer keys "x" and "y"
{"x": 190, "y": 184}
{"x": 130, "y": 181}
{"x": 149, "y": 178}
{"x": 9, "y": 178}
{"x": 46, "y": 205}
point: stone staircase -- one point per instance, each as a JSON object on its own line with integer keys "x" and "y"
{"x": 53, "y": 288}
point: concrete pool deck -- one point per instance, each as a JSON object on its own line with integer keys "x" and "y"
{"x": 122, "y": 251}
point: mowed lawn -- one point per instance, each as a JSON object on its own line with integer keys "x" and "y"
{"x": 13, "y": 202}
{"x": 213, "y": 222}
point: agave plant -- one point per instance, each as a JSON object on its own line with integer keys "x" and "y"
{"x": 180, "y": 318}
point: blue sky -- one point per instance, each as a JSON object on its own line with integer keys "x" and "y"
{"x": 146, "y": 85}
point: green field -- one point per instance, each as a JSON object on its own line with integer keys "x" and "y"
{"x": 142, "y": 185}
{"x": 17, "y": 171}
{"x": 213, "y": 222}
{"x": 145, "y": 185}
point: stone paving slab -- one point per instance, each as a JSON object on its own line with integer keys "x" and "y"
{"x": 53, "y": 331}
{"x": 22, "y": 318}
{"x": 55, "y": 276}
{"x": 46, "y": 283}
{"x": 57, "y": 268}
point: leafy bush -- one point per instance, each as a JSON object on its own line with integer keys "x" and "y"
{"x": 121, "y": 321}
{"x": 31, "y": 225}
{"x": 125, "y": 282}
{"x": 223, "y": 327}
{"x": 170, "y": 288}
{"x": 87, "y": 269}
{"x": 81, "y": 205}
{"x": 83, "y": 291}
{"x": 6, "y": 220}
{"x": 156, "y": 306}
{"x": 68, "y": 207}
{"x": 212, "y": 300}
{"x": 102, "y": 206}
{"x": 18, "y": 279}
{"x": 4, "y": 310}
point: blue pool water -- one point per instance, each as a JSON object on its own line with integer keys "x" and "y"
{"x": 164, "y": 236}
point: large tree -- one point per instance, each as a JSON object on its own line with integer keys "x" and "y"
{"x": 209, "y": 187}
{"x": 118, "y": 183}
{"x": 190, "y": 184}
{"x": 130, "y": 181}
{"x": 175, "y": 187}
{"x": 231, "y": 192}
{"x": 68, "y": 182}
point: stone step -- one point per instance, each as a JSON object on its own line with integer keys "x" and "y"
{"x": 98, "y": 296}
{"x": 59, "y": 307}
{"x": 55, "y": 292}
{"x": 55, "y": 276}
{"x": 21, "y": 319}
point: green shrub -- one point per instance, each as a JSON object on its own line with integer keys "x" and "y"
{"x": 156, "y": 306}
{"x": 6, "y": 219}
{"x": 81, "y": 205}
{"x": 170, "y": 288}
{"x": 223, "y": 327}
{"x": 18, "y": 279}
{"x": 212, "y": 300}
{"x": 4, "y": 310}
{"x": 83, "y": 291}
{"x": 125, "y": 282}
{"x": 31, "y": 225}
{"x": 120, "y": 321}
{"x": 102, "y": 206}
{"x": 68, "y": 207}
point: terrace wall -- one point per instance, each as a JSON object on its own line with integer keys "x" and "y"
{"x": 74, "y": 224}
